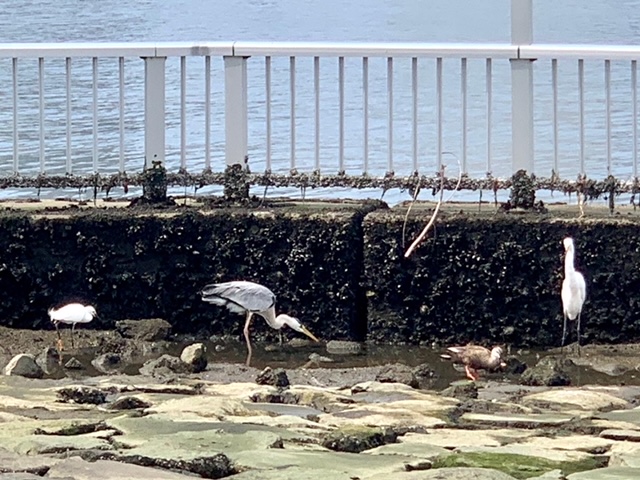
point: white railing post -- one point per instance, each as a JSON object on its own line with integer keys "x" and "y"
{"x": 522, "y": 88}
{"x": 154, "y": 111}
{"x": 235, "y": 110}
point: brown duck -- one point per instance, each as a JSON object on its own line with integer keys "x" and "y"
{"x": 475, "y": 357}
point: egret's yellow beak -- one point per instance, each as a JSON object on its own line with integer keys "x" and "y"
{"x": 308, "y": 333}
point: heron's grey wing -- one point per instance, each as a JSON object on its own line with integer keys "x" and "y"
{"x": 239, "y": 296}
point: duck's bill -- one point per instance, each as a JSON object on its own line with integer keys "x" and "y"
{"x": 309, "y": 334}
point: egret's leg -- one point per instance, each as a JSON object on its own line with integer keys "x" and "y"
{"x": 564, "y": 331}
{"x": 280, "y": 337}
{"x": 246, "y": 336}
{"x": 578, "y": 334}
{"x": 59, "y": 343}
{"x": 73, "y": 326}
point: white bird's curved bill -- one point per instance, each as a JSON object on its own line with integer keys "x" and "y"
{"x": 304, "y": 330}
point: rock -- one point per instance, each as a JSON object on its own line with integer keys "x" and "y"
{"x": 425, "y": 376}
{"x": 33, "y": 464}
{"x": 80, "y": 469}
{"x": 166, "y": 365}
{"x": 195, "y": 356}
{"x": 128, "y": 403}
{"x": 279, "y": 396}
{"x": 148, "y": 330}
{"x": 277, "y": 378}
{"x": 397, "y": 373}
{"x": 514, "y": 366}
{"x": 418, "y": 466}
{"x": 49, "y": 360}
{"x": 24, "y": 365}
{"x": 622, "y": 435}
{"x": 540, "y": 420}
{"x": 107, "y": 362}
{"x": 609, "y": 473}
{"x": 452, "y": 473}
{"x": 358, "y": 439}
{"x": 342, "y": 347}
{"x": 549, "y": 372}
{"x": 462, "y": 390}
{"x": 561, "y": 399}
{"x": 73, "y": 364}
{"x": 81, "y": 394}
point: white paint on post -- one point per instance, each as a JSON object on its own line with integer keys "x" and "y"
{"x": 154, "y": 111}
{"x": 235, "y": 115}
{"x": 522, "y": 88}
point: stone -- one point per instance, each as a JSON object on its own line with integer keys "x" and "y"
{"x": 358, "y": 439}
{"x": 128, "y": 403}
{"x": 514, "y": 366}
{"x": 148, "y": 330}
{"x": 575, "y": 398}
{"x": 343, "y": 347}
{"x": 277, "y": 396}
{"x": 166, "y": 365}
{"x": 81, "y": 394}
{"x": 277, "y": 378}
{"x": 195, "y": 356}
{"x": 49, "y": 360}
{"x": 549, "y": 372}
{"x": 425, "y": 376}
{"x": 453, "y": 473}
{"x": 73, "y": 364}
{"x": 24, "y": 365}
{"x": 462, "y": 390}
{"x": 36, "y": 464}
{"x": 609, "y": 473}
{"x": 419, "y": 451}
{"x": 397, "y": 373}
{"x": 107, "y": 362}
{"x": 541, "y": 420}
{"x": 578, "y": 443}
{"x": 622, "y": 435}
{"x": 80, "y": 469}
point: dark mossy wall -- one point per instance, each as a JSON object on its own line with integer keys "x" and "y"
{"x": 340, "y": 270}
{"x": 146, "y": 266}
{"x": 498, "y": 279}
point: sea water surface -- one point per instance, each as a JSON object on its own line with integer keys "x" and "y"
{"x": 569, "y": 21}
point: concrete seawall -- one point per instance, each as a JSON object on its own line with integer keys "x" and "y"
{"x": 340, "y": 267}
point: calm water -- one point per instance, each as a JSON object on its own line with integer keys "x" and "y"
{"x": 569, "y": 21}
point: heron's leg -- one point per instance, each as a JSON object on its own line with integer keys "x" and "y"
{"x": 246, "y": 336}
{"x": 73, "y": 326}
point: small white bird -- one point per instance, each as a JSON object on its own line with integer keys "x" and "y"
{"x": 251, "y": 298}
{"x": 574, "y": 290}
{"x": 71, "y": 313}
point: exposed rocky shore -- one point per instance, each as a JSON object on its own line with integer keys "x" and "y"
{"x": 186, "y": 416}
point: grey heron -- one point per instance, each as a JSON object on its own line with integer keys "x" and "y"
{"x": 72, "y": 313}
{"x": 475, "y": 357}
{"x": 574, "y": 290}
{"x": 251, "y": 298}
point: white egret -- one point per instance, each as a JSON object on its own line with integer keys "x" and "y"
{"x": 574, "y": 290}
{"x": 72, "y": 313}
{"x": 251, "y": 298}
{"x": 475, "y": 357}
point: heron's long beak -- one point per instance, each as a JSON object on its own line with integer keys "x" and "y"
{"x": 304, "y": 330}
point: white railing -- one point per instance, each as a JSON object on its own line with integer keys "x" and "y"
{"x": 318, "y": 109}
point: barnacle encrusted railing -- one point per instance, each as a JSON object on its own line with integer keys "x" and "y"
{"x": 590, "y": 188}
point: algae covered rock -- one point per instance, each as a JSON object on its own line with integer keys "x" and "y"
{"x": 356, "y": 439}
{"x": 549, "y": 371}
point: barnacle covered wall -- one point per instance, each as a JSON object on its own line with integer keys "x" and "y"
{"x": 498, "y": 279}
{"x": 132, "y": 265}
{"x": 340, "y": 269}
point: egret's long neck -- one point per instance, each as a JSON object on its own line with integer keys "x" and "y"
{"x": 568, "y": 262}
